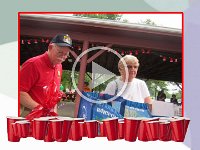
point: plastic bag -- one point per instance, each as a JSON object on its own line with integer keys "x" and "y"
{"x": 52, "y": 96}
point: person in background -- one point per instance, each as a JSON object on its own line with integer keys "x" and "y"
{"x": 173, "y": 99}
{"x": 136, "y": 90}
{"x": 39, "y": 73}
{"x": 161, "y": 95}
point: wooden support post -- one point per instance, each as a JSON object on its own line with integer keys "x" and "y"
{"x": 81, "y": 77}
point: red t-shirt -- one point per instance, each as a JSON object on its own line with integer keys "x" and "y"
{"x": 38, "y": 73}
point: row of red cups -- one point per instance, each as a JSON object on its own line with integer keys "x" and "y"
{"x": 51, "y": 129}
{"x": 145, "y": 129}
{"x": 43, "y": 128}
{"x": 12, "y": 135}
{"x": 63, "y": 128}
{"x": 164, "y": 129}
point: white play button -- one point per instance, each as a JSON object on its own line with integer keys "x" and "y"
{"x": 100, "y": 74}
{"x": 103, "y": 75}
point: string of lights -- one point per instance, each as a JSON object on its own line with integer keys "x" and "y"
{"x": 165, "y": 57}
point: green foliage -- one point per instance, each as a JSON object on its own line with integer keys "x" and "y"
{"x": 67, "y": 80}
{"x": 125, "y": 20}
{"x": 155, "y": 86}
{"x": 102, "y": 86}
{"x": 179, "y": 95}
{"x": 101, "y": 16}
{"x": 148, "y": 22}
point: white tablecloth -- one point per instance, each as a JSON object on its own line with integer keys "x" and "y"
{"x": 160, "y": 108}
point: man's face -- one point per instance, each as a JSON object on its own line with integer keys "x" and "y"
{"x": 59, "y": 54}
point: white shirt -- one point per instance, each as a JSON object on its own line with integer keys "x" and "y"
{"x": 136, "y": 90}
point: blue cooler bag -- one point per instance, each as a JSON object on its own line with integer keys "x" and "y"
{"x": 85, "y": 107}
{"x": 96, "y": 111}
{"x": 104, "y": 111}
{"x": 135, "y": 109}
{"x": 119, "y": 105}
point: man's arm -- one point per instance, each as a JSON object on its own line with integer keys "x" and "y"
{"x": 27, "y": 101}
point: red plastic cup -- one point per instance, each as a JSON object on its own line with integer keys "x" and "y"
{"x": 173, "y": 138}
{"x": 49, "y": 134}
{"x": 152, "y": 130}
{"x": 19, "y": 130}
{"x": 142, "y": 136}
{"x": 70, "y": 133}
{"x": 91, "y": 128}
{"x": 120, "y": 120}
{"x": 75, "y": 129}
{"x": 15, "y": 129}
{"x": 23, "y": 128}
{"x": 40, "y": 126}
{"x": 31, "y": 132}
{"x": 49, "y": 117}
{"x": 164, "y": 131}
{"x": 142, "y": 132}
{"x": 177, "y": 127}
{"x": 83, "y": 129}
{"x": 165, "y": 119}
{"x": 131, "y": 128}
{"x": 176, "y": 117}
{"x": 67, "y": 122}
{"x": 102, "y": 130}
{"x": 186, "y": 124}
{"x": 111, "y": 128}
{"x": 56, "y": 126}
{"x": 11, "y": 136}
{"x": 121, "y": 131}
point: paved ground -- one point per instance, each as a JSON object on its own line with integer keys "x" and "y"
{"x": 66, "y": 109}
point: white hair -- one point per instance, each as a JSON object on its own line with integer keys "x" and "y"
{"x": 127, "y": 58}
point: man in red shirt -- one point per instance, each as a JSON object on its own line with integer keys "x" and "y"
{"x": 41, "y": 75}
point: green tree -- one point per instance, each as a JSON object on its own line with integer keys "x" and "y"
{"x": 67, "y": 80}
{"x": 101, "y": 16}
{"x": 156, "y": 85}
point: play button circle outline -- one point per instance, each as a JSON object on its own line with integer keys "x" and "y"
{"x": 78, "y": 59}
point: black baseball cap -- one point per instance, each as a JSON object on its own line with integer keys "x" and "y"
{"x": 62, "y": 40}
